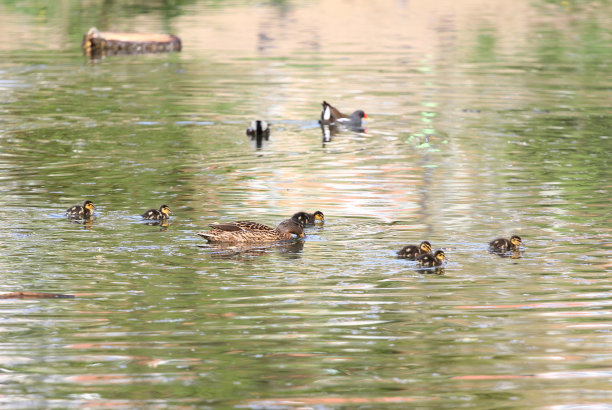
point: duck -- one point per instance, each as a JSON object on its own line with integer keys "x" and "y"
{"x": 84, "y": 211}
{"x": 258, "y": 129}
{"x": 429, "y": 261}
{"x": 158, "y": 214}
{"x": 331, "y": 115}
{"x": 304, "y": 218}
{"x": 249, "y": 232}
{"x": 503, "y": 245}
{"x": 412, "y": 251}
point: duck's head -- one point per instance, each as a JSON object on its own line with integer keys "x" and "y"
{"x": 88, "y": 205}
{"x": 425, "y": 246}
{"x": 291, "y": 226}
{"x": 516, "y": 240}
{"x": 165, "y": 209}
{"x": 318, "y": 216}
{"x": 439, "y": 255}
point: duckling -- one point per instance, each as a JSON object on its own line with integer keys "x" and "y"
{"x": 246, "y": 231}
{"x": 331, "y": 114}
{"x": 503, "y": 245}
{"x": 81, "y": 212}
{"x": 158, "y": 214}
{"x": 429, "y": 261}
{"x": 304, "y": 218}
{"x": 412, "y": 251}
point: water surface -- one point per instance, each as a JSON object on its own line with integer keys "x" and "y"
{"x": 485, "y": 120}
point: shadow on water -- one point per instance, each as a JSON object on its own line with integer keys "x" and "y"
{"x": 291, "y": 249}
{"x": 329, "y": 131}
{"x": 487, "y": 120}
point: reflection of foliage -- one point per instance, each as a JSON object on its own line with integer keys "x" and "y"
{"x": 486, "y": 42}
{"x": 570, "y": 152}
{"x": 106, "y": 15}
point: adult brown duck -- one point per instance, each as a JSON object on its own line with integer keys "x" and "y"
{"x": 331, "y": 115}
{"x": 251, "y": 232}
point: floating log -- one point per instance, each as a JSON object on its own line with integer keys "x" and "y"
{"x": 107, "y": 43}
{"x": 34, "y": 295}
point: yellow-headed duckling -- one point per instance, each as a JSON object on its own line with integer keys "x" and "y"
{"x": 157, "y": 214}
{"x": 504, "y": 245}
{"x": 412, "y": 251}
{"x": 429, "y": 261}
{"x": 304, "y": 218}
{"x": 84, "y": 211}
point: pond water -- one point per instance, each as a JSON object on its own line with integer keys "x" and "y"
{"x": 485, "y": 119}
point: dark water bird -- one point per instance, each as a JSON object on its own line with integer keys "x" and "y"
{"x": 331, "y": 115}
{"x": 304, "y": 218}
{"x": 412, "y": 251}
{"x": 158, "y": 214}
{"x": 429, "y": 261}
{"x": 249, "y": 232}
{"x": 504, "y": 245}
{"x": 258, "y": 131}
{"x": 81, "y": 211}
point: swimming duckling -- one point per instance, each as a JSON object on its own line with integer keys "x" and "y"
{"x": 503, "y": 245}
{"x": 81, "y": 212}
{"x": 246, "y": 231}
{"x": 331, "y": 114}
{"x": 429, "y": 261}
{"x": 158, "y": 214}
{"x": 412, "y": 251}
{"x": 304, "y": 218}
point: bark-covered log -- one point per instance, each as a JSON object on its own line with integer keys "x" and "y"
{"x": 106, "y": 43}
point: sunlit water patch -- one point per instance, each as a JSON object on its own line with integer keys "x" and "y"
{"x": 479, "y": 126}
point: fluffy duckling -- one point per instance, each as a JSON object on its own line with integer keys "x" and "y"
{"x": 84, "y": 211}
{"x": 158, "y": 214}
{"x": 304, "y": 218}
{"x": 429, "y": 261}
{"x": 248, "y": 232}
{"x": 503, "y": 245}
{"x": 331, "y": 114}
{"x": 412, "y": 251}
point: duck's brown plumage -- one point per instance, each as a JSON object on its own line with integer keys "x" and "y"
{"x": 157, "y": 214}
{"x": 247, "y": 231}
{"x": 428, "y": 260}
{"x": 84, "y": 211}
{"x": 412, "y": 251}
{"x": 505, "y": 245}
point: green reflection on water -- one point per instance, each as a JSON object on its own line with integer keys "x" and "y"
{"x": 157, "y": 317}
